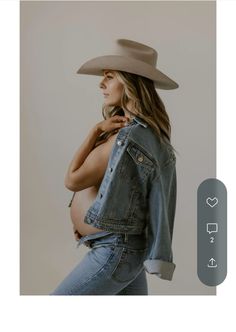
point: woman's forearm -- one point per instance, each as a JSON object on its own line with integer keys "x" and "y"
{"x": 82, "y": 153}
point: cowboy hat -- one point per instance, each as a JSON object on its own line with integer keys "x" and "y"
{"x": 132, "y": 57}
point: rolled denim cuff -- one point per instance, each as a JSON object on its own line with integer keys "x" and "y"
{"x": 163, "y": 269}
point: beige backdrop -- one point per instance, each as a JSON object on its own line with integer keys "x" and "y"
{"x": 58, "y": 107}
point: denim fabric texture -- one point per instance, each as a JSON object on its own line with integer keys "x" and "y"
{"x": 113, "y": 266}
{"x": 138, "y": 193}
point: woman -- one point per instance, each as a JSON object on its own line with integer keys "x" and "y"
{"x": 120, "y": 234}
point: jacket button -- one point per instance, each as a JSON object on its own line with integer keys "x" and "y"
{"x": 101, "y": 195}
{"x": 140, "y": 158}
{"x": 119, "y": 142}
{"x": 110, "y": 169}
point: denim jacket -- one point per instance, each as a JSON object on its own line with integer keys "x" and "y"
{"x": 138, "y": 193}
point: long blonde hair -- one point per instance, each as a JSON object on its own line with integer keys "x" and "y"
{"x": 146, "y": 104}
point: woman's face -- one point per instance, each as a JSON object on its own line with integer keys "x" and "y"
{"x": 111, "y": 88}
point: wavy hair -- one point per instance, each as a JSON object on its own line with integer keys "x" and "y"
{"x": 146, "y": 104}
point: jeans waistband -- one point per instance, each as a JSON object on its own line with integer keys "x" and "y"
{"x": 135, "y": 241}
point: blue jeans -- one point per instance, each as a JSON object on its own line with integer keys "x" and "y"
{"x": 113, "y": 266}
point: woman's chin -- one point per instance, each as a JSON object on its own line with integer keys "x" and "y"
{"x": 107, "y": 103}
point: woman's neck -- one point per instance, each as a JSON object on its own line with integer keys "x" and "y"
{"x": 128, "y": 112}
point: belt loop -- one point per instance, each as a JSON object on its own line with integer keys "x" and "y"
{"x": 126, "y": 237}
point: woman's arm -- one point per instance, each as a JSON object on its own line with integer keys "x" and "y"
{"x": 85, "y": 168}
{"x": 84, "y": 150}
{"x": 82, "y": 153}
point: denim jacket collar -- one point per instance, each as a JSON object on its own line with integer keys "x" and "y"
{"x": 139, "y": 121}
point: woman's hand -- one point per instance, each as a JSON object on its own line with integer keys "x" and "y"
{"x": 115, "y": 122}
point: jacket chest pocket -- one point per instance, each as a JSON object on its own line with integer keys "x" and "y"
{"x": 137, "y": 165}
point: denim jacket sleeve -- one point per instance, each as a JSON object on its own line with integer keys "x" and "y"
{"x": 162, "y": 202}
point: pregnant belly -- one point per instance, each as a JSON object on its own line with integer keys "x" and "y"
{"x": 81, "y": 203}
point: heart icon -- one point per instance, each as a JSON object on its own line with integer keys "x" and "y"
{"x": 212, "y": 201}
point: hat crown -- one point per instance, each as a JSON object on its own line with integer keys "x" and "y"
{"x": 133, "y": 49}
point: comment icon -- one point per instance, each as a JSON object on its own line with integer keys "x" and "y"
{"x": 212, "y": 228}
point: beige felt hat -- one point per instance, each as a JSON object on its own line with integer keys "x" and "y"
{"x": 132, "y": 57}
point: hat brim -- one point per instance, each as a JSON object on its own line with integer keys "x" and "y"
{"x": 96, "y": 66}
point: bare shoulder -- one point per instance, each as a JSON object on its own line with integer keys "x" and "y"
{"x": 112, "y": 138}
{"x": 109, "y": 143}
{"x": 103, "y": 149}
